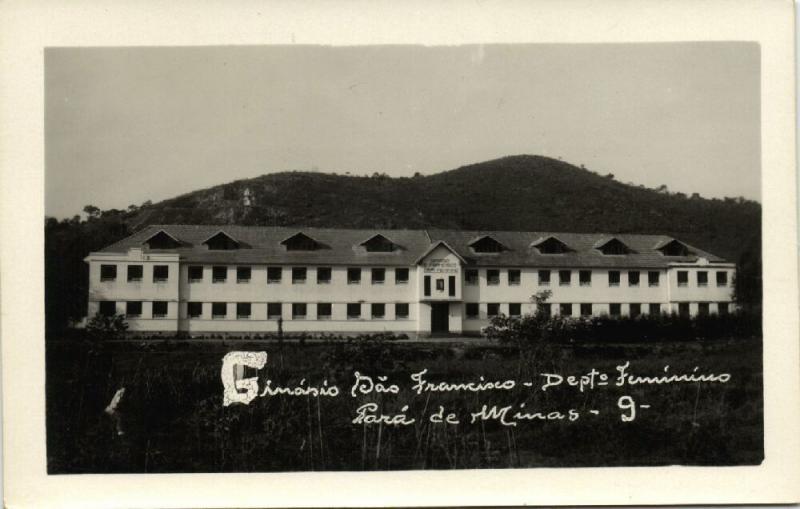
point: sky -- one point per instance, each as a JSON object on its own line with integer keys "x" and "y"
{"x": 126, "y": 125}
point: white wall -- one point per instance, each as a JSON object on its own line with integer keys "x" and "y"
{"x": 440, "y": 263}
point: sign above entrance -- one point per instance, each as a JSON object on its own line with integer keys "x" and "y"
{"x": 440, "y": 266}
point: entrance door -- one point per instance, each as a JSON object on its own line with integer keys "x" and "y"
{"x": 440, "y": 320}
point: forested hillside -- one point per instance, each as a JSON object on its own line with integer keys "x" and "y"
{"x": 511, "y": 193}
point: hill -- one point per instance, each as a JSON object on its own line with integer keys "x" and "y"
{"x": 511, "y": 193}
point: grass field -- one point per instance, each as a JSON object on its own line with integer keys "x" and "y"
{"x": 174, "y": 421}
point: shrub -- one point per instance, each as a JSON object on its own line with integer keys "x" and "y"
{"x": 541, "y": 329}
{"x": 106, "y": 326}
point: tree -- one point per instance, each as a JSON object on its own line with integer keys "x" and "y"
{"x": 91, "y": 211}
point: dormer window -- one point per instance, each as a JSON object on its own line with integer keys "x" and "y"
{"x": 487, "y": 244}
{"x": 550, "y": 245}
{"x": 674, "y": 248}
{"x": 613, "y": 246}
{"x": 221, "y": 241}
{"x": 162, "y": 240}
{"x": 300, "y": 242}
{"x": 379, "y": 244}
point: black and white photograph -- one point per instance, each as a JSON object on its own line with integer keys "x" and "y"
{"x": 305, "y": 258}
{"x": 265, "y": 259}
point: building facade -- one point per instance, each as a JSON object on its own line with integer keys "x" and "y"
{"x": 237, "y": 279}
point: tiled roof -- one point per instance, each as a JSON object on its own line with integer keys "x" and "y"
{"x": 344, "y": 246}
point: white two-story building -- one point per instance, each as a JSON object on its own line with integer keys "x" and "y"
{"x": 251, "y": 279}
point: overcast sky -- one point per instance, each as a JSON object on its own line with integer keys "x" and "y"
{"x": 127, "y": 125}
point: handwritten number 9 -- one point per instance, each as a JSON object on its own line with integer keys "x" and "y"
{"x": 627, "y": 403}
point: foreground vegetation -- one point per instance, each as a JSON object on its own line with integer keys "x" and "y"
{"x": 171, "y": 417}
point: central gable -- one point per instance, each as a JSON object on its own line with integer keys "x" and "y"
{"x": 440, "y": 258}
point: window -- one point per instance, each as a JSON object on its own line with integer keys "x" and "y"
{"x": 135, "y": 273}
{"x": 378, "y": 276}
{"x": 159, "y": 309}
{"x": 378, "y": 311}
{"x": 162, "y": 240}
{"x": 108, "y": 272}
{"x": 565, "y": 309}
{"x": 472, "y": 310}
{"x": 274, "y": 310}
{"x": 439, "y": 285}
{"x": 586, "y": 310}
{"x": 160, "y": 273}
{"x": 353, "y": 276}
{"x": 219, "y": 310}
{"x": 652, "y": 277}
{"x": 722, "y": 278}
{"x": 683, "y": 278}
{"x": 492, "y": 277}
{"x": 195, "y": 273}
{"x": 545, "y": 309}
{"x": 324, "y": 311}
{"x": 683, "y": 309}
{"x": 702, "y": 278}
{"x": 487, "y": 245}
{"x": 703, "y": 308}
{"x": 379, "y": 244}
{"x": 635, "y": 310}
{"x": 133, "y": 309}
{"x": 222, "y": 242}
{"x": 451, "y": 286}
{"x": 471, "y": 277}
{"x": 243, "y": 274}
{"x": 274, "y": 275}
{"x": 723, "y": 308}
{"x": 564, "y": 277}
{"x": 674, "y": 248}
{"x": 585, "y": 277}
{"x": 633, "y": 278}
{"x": 324, "y": 275}
{"x": 243, "y": 310}
{"x": 194, "y": 309}
{"x": 400, "y": 276}
{"x": 401, "y": 310}
{"x": 299, "y": 311}
{"x": 544, "y": 277}
{"x": 354, "y": 311}
{"x": 299, "y": 275}
{"x": 551, "y": 246}
{"x": 219, "y": 274}
{"x": 108, "y": 308}
{"x": 613, "y": 278}
{"x": 615, "y": 309}
{"x": 427, "y": 286}
{"x": 654, "y": 309}
{"x": 515, "y": 309}
{"x": 492, "y": 309}
{"x": 300, "y": 242}
{"x": 514, "y": 277}
{"x": 614, "y": 247}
